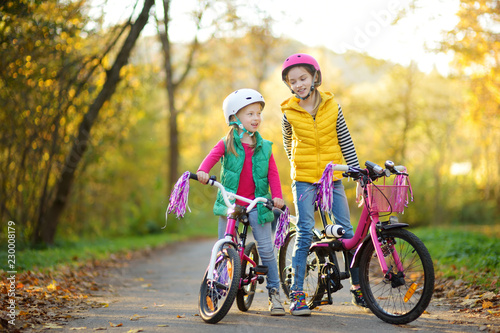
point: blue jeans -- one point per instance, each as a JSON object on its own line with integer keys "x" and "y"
{"x": 304, "y": 197}
{"x": 264, "y": 237}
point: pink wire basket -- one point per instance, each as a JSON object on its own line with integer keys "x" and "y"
{"x": 387, "y": 198}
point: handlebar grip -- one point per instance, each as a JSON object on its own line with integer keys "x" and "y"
{"x": 195, "y": 177}
{"x": 341, "y": 167}
{"x": 400, "y": 168}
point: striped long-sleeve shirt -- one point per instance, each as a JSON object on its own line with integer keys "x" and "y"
{"x": 343, "y": 134}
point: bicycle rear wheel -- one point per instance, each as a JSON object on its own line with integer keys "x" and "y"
{"x": 399, "y": 297}
{"x": 244, "y": 296}
{"x": 312, "y": 286}
{"x": 217, "y": 295}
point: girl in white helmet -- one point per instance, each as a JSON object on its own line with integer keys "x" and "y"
{"x": 248, "y": 169}
{"x": 314, "y": 134}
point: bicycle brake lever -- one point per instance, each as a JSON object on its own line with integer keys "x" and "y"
{"x": 269, "y": 204}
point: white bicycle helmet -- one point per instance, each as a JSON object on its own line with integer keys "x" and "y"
{"x": 238, "y": 99}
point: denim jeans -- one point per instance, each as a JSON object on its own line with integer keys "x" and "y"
{"x": 304, "y": 196}
{"x": 264, "y": 237}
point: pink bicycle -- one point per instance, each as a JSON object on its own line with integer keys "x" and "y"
{"x": 233, "y": 271}
{"x": 396, "y": 269}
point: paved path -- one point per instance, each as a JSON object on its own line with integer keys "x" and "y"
{"x": 159, "y": 293}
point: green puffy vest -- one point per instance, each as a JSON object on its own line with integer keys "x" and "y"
{"x": 231, "y": 166}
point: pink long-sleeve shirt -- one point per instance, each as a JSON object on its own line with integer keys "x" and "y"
{"x": 246, "y": 187}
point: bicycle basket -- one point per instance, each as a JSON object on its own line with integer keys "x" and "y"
{"x": 387, "y": 198}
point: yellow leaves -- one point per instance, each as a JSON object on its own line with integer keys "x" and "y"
{"x": 487, "y": 305}
{"x": 52, "y": 286}
{"x": 136, "y": 317}
{"x": 115, "y": 325}
{"x": 45, "y": 84}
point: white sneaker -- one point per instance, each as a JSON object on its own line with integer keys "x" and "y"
{"x": 275, "y": 306}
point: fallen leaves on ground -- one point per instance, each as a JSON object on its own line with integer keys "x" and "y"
{"x": 47, "y": 299}
{"x": 470, "y": 300}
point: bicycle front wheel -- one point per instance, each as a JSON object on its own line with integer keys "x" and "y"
{"x": 244, "y": 297}
{"x": 401, "y": 295}
{"x": 217, "y": 295}
{"x": 313, "y": 289}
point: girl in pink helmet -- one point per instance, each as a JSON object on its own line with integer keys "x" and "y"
{"x": 248, "y": 169}
{"x": 314, "y": 134}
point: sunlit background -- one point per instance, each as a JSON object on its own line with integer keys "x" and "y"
{"x": 418, "y": 82}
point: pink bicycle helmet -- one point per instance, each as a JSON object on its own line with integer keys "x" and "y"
{"x": 302, "y": 59}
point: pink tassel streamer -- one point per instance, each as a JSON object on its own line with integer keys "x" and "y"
{"x": 324, "y": 194}
{"x": 179, "y": 196}
{"x": 282, "y": 227}
{"x": 401, "y": 180}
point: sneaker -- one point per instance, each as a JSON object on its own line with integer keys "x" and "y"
{"x": 298, "y": 306}
{"x": 358, "y": 299}
{"x": 275, "y": 306}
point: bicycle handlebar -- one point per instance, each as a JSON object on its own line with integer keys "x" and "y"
{"x": 229, "y": 195}
{"x": 373, "y": 170}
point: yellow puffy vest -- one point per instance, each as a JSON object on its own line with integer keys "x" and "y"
{"x": 314, "y": 141}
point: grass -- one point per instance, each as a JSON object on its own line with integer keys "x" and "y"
{"x": 470, "y": 253}
{"x": 80, "y": 251}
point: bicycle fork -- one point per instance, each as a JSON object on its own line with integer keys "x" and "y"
{"x": 396, "y": 279}
{"x": 228, "y": 239}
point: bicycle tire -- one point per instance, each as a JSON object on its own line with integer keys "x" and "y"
{"x": 312, "y": 287}
{"x": 404, "y": 297}
{"x": 216, "y": 300}
{"x": 245, "y": 294}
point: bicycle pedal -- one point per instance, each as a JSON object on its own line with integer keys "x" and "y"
{"x": 261, "y": 270}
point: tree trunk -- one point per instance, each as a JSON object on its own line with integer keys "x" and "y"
{"x": 173, "y": 132}
{"x": 171, "y": 85}
{"x": 47, "y": 227}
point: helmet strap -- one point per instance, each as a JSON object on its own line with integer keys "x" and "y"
{"x": 241, "y": 127}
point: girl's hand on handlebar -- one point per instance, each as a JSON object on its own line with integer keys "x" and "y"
{"x": 278, "y": 203}
{"x": 202, "y": 177}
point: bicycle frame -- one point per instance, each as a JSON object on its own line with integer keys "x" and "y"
{"x": 367, "y": 222}
{"x": 230, "y": 237}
